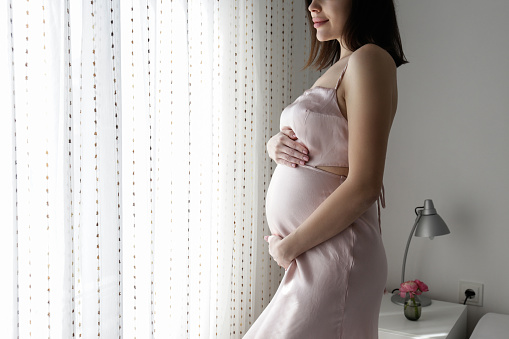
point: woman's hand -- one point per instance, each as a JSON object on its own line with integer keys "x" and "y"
{"x": 284, "y": 150}
{"x": 276, "y": 250}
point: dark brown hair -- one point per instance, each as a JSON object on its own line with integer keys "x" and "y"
{"x": 370, "y": 21}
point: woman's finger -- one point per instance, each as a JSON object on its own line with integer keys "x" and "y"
{"x": 298, "y": 149}
{"x": 269, "y": 237}
{"x": 287, "y": 160}
{"x": 287, "y": 156}
{"x": 286, "y": 163}
{"x": 272, "y": 236}
{"x": 286, "y": 130}
{"x": 294, "y": 153}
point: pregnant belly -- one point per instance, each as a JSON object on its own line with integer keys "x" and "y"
{"x": 294, "y": 193}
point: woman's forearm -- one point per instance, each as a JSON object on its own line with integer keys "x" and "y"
{"x": 345, "y": 205}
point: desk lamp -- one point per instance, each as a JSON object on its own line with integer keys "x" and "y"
{"x": 427, "y": 224}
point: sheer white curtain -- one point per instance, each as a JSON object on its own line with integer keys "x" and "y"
{"x": 134, "y": 163}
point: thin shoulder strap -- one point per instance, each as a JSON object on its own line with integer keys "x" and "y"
{"x": 341, "y": 77}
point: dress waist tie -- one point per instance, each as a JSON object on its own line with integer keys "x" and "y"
{"x": 380, "y": 201}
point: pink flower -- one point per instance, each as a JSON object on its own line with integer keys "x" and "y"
{"x": 413, "y": 287}
{"x": 422, "y": 286}
{"x": 408, "y": 287}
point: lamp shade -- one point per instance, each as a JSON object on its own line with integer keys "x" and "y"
{"x": 430, "y": 224}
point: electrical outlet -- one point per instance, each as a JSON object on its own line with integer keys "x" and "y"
{"x": 476, "y": 287}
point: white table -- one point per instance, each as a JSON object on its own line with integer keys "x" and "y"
{"x": 440, "y": 320}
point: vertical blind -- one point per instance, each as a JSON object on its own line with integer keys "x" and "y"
{"x": 135, "y": 169}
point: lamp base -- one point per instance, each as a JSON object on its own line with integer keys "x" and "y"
{"x": 396, "y": 298}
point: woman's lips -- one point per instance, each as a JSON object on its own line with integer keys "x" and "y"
{"x": 319, "y": 23}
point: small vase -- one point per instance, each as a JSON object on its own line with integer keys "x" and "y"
{"x": 412, "y": 308}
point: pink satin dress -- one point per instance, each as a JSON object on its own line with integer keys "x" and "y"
{"x": 333, "y": 290}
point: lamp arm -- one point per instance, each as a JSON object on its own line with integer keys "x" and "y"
{"x": 408, "y": 244}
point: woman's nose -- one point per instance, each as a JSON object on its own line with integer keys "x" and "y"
{"x": 313, "y": 7}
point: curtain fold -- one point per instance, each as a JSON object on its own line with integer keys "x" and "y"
{"x": 134, "y": 192}
{"x": 8, "y": 184}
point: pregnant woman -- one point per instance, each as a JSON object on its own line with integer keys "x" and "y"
{"x": 323, "y": 201}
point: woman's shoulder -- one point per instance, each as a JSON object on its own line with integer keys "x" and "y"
{"x": 371, "y": 56}
{"x": 372, "y": 61}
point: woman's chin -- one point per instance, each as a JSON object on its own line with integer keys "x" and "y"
{"x": 322, "y": 37}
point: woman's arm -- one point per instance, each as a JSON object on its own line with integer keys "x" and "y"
{"x": 370, "y": 85}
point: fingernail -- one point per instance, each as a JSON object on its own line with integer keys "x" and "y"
{"x": 293, "y": 165}
{"x": 266, "y": 237}
{"x": 302, "y": 162}
{"x": 306, "y": 158}
{"x": 305, "y": 152}
{"x": 294, "y": 136}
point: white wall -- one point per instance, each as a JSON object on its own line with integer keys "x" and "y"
{"x": 450, "y": 143}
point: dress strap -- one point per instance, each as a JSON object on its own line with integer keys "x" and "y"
{"x": 380, "y": 201}
{"x": 341, "y": 77}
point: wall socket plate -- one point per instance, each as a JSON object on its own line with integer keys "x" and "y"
{"x": 476, "y": 287}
